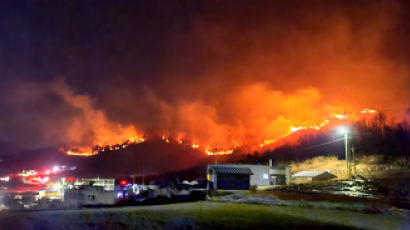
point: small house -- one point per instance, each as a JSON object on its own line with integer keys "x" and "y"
{"x": 224, "y": 176}
{"x": 307, "y": 176}
{"x": 89, "y": 195}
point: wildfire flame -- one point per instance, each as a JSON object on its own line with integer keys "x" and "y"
{"x": 211, "y": 152}
{"x": 87, "y": 151}
{"x": 339, "y": 116}
{"x": 256, "y": 127}
{"x": 80, "y": 153}
{"x": 365, "y": 111}
{"x": 165, "y": 139}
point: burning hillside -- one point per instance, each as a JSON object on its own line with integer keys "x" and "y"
{"x": 271, "y": 115}
{"x": 151, "y": 156}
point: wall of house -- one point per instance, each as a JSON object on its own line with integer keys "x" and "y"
{"x": 282, "y": 175}
{"x": 302, "y": 180}
{"x": 78, "y": 197}
{"x": 213, "y": 178}
{"x": 278, "y": 179}
{"x": 262, "y": 174}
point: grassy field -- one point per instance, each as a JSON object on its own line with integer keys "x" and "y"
{"x": 201, "y": 215}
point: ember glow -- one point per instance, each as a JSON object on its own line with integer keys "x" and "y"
{"x": 84, "y": 152}
{"x": 90, "y": 151}
{"x": 213, "y": 152}
{"x": 365, "y": 111}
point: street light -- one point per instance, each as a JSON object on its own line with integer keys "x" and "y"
{"x": 344, "y": 130}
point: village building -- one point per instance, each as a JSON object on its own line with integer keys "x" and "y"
{"x": 242, "y": 176}
{"x": 308, "y": 176}
{"x": 89, "y": 195}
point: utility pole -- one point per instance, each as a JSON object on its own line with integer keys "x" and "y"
{"x": 347, "y": 155}
{"x": 354, "y": 160}
{"x": 215, "y": 155}
{"x": 143, "y": 177}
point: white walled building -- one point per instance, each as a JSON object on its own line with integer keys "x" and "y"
{"x": 89, "y": 195}
{"x": 259, "y": 175}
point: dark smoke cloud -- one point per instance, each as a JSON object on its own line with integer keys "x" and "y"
{"x": 208, "y": 71}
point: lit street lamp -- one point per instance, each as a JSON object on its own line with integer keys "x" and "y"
{"x": 344, "y": 130}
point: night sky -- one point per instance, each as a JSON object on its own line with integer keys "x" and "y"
{"x": 206, "y": 69}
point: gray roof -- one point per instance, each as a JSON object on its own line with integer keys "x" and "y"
{"x": 232, "y": 170}
{"x": 310, "y": 173}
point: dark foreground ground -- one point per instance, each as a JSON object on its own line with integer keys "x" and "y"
{"x": 201, "y": 215}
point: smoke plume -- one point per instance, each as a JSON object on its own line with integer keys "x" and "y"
{"x": 215, "y": 74}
